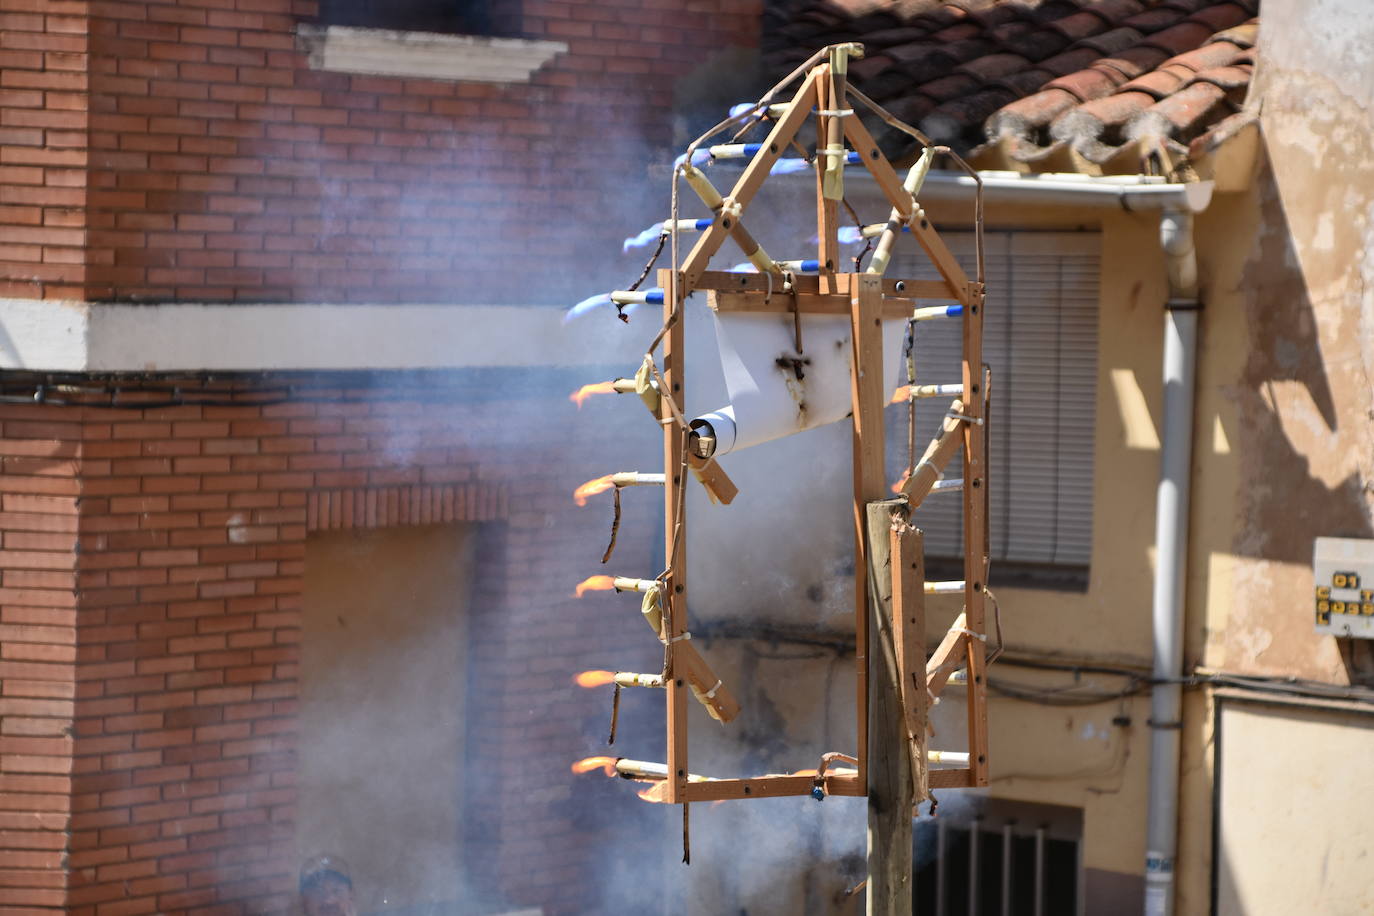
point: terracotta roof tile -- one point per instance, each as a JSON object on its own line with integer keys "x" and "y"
{"x": 1099, "y": 85}
{"x": 1223, "y": 16}
{"x": 1158, "y": 83}
{"x": 1068, "y": 62}
{"x": 886, "y": 38}
{"x": 1153, "y": 20}
{"x": 1142, "y": 56}
{"x": 949, "y": 87}
{"x": 1182, "y": 114}
{"x": 958, "y": 32}
{"x": 1111, "y": 42}
{"x": 1025, "y": 82}
{"x": 1179, "y": 38}
{"x": 1087, "y": 84}
{"x": 992, "y": 66}
{"x": 1228, "y": 78}
{"x": 1035, "y": 44}
{"x": 1031, "y": 113}
{"x": 1242, "y": 36}
{"x": 1079, "y": 25}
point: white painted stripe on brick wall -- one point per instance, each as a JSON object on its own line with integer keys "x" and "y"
{"x": 75, "y": 337}
{"x": 425, "y": 55}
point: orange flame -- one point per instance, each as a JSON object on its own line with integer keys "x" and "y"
{"x": 595, "y": 584}
{"x": 587, "y": 764}
{"x": 901, "y": 395}
{"x": 805, "y": 773}
{"x": 586, "y": 391}
{"x": 591, "y": 488}
{"x": 655, "y": 793}
{"x": 594, "y": 678}
{"x": 897, "y": 487}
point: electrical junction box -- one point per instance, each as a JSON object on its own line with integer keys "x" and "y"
{"x": 1343, "y": 585}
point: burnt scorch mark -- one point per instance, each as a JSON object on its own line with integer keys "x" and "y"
{"x": 793, "y": 364}
{"x": 794, "y": 376}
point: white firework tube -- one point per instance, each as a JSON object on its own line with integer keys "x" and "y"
{"x": 626, "y": 584}
{"x": 645, "y": 769}
{"x": 631, "y": 679}
{"x": 942, "y": 588}
{"x": 636, "y": 479}
{"x": 955, "y": 758}
{"x": 882, "y": 252}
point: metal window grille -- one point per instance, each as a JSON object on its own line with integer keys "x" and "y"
{"x": 1014, "y": 859}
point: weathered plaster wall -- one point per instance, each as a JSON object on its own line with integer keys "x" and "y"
{"x": 1305, "y": 849}
{"x": 1289, "y": 346}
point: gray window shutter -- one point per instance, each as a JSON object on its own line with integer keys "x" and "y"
{"x": 1040, "y": 338}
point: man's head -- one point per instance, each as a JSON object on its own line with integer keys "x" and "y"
{"x": 326, "y": 888}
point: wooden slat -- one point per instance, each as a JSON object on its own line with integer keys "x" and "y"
{"x": 713, "y": 477}
{"x": 770, "y": 787}
{"x": 809, "y": 284}
{"x": 937, "y": 454}
{"x": 909, "y": 640}
{"x": 948, "y": 657}
{"x": 877, "y": 165}
{"x": 755, "y": 787}
{"x": 868, "y": 399}
{"x": 674, "y": 597}
{"x": 753, "y": 177}
{"x": 975, "y": 534}
{"x": 808, "y": 303}
{"x": 690, "y": 666}
{"x": 891, "y": 185}
{"x": 827, "y": 211}
{"x": 940, "y": 255}
{"x": 949, "y": 779}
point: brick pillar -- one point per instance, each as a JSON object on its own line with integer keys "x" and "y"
{"x": 192, "y": 546}
{"x": 40, "y": 448}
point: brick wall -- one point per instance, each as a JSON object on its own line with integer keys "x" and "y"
{"x": 40, "y": 450}
{"x": 43, "y": 148}
{"x": 214, "y": 165}
{"x": 175, "y": 628}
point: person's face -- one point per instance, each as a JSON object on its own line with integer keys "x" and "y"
{"x": 329, "y": 896}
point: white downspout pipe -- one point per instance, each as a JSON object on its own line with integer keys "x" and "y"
{"x": 1171, "y": 556}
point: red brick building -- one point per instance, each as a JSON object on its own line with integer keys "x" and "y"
{"x": 168, "y": 466}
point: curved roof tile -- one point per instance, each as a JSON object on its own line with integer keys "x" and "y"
{"x": 1091, "y": 85}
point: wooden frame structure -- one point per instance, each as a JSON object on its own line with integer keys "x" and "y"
{"x": 889, "y": 586}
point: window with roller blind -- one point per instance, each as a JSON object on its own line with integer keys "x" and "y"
{"x": 1040, "y": 339}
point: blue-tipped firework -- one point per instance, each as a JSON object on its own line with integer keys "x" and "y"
{"x": 653, "y": 233}
{"x": 937, "y": 311}
{"x": 699, "y": 158}
{"x": 853, "y": 235}
{"x": 628, "y": 297}
{"x": 586, "y": 305}
{"x": 644, "y": 239}
{"x": 791, "y": 166}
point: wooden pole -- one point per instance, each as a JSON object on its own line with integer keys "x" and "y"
{"x": 909, "y": 645}
{"x": 890, "y": 794}
{"x": 867, "y": 383}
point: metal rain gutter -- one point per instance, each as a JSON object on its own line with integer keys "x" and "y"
{"x": 1126, "y": 192}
